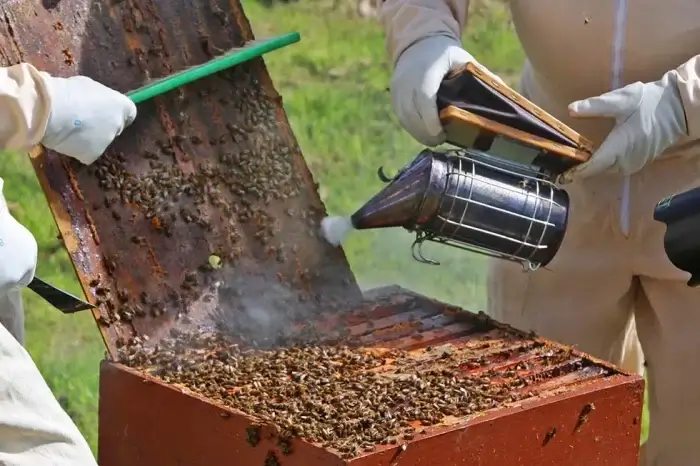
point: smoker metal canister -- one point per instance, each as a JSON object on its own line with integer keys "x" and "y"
{"x": 473, "y": 201}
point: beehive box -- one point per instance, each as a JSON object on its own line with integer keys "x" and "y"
{"x": 202, "y": 218}
{"x": 433, "y": 385}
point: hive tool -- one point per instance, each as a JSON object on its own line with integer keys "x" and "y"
{"x": 61, "y": 300}
{"x": 235, "y": 56}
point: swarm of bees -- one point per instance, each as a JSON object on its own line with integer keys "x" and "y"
{"x": 346, "y": 399}
{"x": 254, "y": 163}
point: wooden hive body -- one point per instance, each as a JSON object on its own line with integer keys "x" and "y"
{"x": 551, "y": 405}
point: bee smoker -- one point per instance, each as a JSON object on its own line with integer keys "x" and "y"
{"x": 681, "y": 215}
{"x": 495, "y": 194}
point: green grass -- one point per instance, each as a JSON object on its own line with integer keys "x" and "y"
{"x": 334, "y": 87}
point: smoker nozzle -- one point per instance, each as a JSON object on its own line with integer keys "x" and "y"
{"x": 399, "y": 203}
{"x": 681, "y": 215}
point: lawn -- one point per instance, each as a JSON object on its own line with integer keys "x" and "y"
{"x": 334, "y": 85}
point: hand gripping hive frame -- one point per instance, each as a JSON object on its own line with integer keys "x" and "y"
{"x": 142, "y": 255}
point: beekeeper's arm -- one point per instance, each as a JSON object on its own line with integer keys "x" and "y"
{"x": 423, "y": 43}
{"x": 34, "y": 429}
{"x": 79, "y": 118}
{"x": 75, "y": 116}
{"x": 651, "y": 117}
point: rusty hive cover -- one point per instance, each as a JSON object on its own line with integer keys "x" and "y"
{"x": 207, "y": 186}
{"x": 432, "y": 385}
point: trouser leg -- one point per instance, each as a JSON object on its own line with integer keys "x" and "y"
{"x": 570, "y": 306}
{"x": 667, "y": 313}
{"x": 12, "y": 314}
{"x": 34, "y": 429}
{"x": 668, "y": 319}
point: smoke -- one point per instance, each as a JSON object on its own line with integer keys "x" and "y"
{"x": 335, "y": 229}
{"x": 255, "y": 309}
{"x": 261, "y": 312}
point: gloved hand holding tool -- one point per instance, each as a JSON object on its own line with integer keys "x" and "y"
{"x": 85, "y": 117}
{"x": 649, "y": 119}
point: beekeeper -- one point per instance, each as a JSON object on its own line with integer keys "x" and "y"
{"x": 79, "y": 118}
{"x": 624, "y": 74}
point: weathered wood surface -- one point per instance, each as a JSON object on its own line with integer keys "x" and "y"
{"x": 212, "y": 168}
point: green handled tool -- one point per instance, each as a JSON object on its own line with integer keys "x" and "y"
{"x": 250, "y": 50}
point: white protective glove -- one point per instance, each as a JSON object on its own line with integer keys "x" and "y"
{"x": 85, "y": 117}
{"x": 649, "y": 119}
{"x": 18, "y": 251}
{"x": 417, "y": 77}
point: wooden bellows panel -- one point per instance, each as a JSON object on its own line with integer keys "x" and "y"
{"x": 473, "y": 100}
{"x": 205, "y": 204}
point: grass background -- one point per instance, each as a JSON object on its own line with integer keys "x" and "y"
{"x": 334, "y": 84}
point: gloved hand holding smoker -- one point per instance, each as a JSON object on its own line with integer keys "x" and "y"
{"x": 635, "y": 92}
{"x": 649, "y": 116}
{"x": 77, "y": 117}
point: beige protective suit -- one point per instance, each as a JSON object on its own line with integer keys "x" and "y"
{"x": 34, "y": 429}
{"x": 612, "y": 266}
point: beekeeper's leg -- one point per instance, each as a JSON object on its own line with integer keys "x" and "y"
{"x": 668, "y": 319}
{"x": 12, "y": 315}
{"x": 584, "y": 297}
{"x": 34, "y": 429}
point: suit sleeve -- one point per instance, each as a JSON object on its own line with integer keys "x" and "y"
{"x": 25, "y": 107}
{"x": 408, "y": 21}
{"x": 689, "y": 87}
